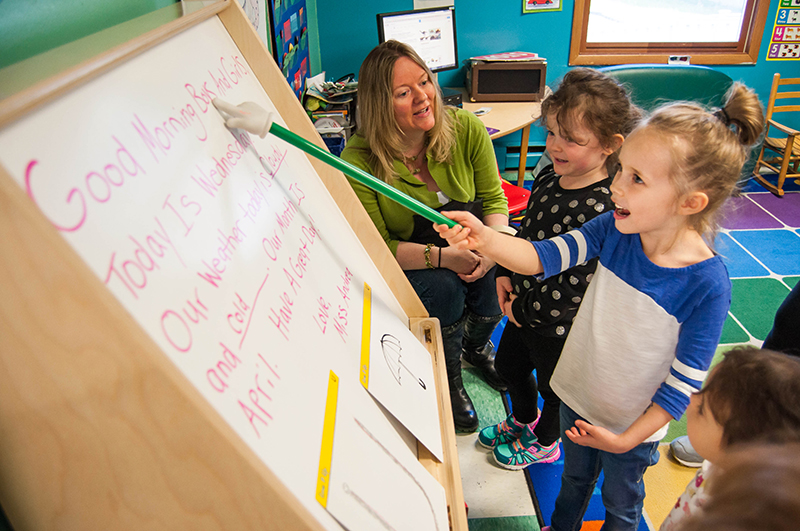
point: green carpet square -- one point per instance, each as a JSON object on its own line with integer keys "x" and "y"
{"x": 509, "y": 523}
{"x": 488, "y": 402}
{"x": 733, "y": 333}
{"x": 754, "y": 303}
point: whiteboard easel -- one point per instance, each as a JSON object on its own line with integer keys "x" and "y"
{"x": 100, "y": 430}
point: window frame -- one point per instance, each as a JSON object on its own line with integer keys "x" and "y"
{"x": 745, "y": 51}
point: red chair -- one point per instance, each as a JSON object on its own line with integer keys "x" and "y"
{"x": 517, "y": 200}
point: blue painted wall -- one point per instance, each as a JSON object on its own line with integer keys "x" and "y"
{"x": 348, "y": 31}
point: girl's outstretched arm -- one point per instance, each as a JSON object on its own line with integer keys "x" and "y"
{"x": 513, "y": 253}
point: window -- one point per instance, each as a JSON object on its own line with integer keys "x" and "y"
{"x": 608, "y": 32}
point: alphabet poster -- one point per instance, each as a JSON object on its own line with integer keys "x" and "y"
{"x": 226, "y": 249}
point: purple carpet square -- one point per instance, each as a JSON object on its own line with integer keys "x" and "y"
{"x": 786, "y": 208}
{"x": 743, "y": 213}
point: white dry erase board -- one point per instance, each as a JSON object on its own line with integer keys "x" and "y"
{"x": 183, "y": 332}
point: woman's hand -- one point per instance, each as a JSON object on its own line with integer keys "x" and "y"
{"x": 483, "y": 267}
{"x": 460, "y": 261}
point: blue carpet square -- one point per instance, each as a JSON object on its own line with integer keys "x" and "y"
{"x": 739, "y": 263}
{"x": 546, "y": 480}
{"x": 754, "y": 186}
{"x": 778, "y": 250}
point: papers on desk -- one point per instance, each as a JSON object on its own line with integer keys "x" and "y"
{"x": 509, "y": 56}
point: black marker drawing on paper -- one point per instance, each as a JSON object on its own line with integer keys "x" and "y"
{"x": 393, "y": 354}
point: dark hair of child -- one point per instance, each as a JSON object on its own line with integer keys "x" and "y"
{"x": 754, "y": 394}
{"x": 597, "y": 102}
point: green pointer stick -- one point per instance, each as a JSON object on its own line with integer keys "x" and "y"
{"x": 251, "y": 117}
{"x": 360, "y": 175}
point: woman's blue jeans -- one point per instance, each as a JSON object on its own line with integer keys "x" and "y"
{"x": 623, "y": 484}
{"x": 445, "y": 295}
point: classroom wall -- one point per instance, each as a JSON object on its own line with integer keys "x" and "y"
{"x": 30, "y": 27}
{"x": 348, "y": 31}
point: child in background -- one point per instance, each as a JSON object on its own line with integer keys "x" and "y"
{"x": 652, "y": 316}
{"x": 757, "y": 488}
{"x": 785, "y": 334}
{"x": 587, "y": 120}
{"x": 751, "y": 394}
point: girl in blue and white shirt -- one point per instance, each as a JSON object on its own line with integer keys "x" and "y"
{"x": 651, "y": 319}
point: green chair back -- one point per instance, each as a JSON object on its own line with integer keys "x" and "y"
{"x": 652, "y": 85}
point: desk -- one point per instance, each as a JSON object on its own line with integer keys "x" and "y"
{"x": 508, "y": 117}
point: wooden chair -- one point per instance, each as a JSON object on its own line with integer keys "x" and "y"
{"x": 784, "y": 152}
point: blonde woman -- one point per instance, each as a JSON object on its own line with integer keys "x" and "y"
{"x": 443, "y": 157}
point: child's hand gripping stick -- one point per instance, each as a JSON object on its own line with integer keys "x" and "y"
{"x": 253, "y": 119}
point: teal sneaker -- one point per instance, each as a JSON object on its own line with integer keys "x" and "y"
{"x": 525, "y": 451}
{"x": 507, "y": 431}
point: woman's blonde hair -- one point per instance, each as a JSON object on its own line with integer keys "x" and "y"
{"x": 376, "y": 120}
{"x": 708, "y": 149}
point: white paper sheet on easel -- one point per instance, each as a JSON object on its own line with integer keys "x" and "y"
{"x": 375, "y": 484}
{"x": 400, "y": 375}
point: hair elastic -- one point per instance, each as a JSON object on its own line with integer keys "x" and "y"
{"x": 722, "y": 115}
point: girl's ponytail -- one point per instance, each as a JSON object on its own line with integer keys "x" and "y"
{"x": 743, "y": 111}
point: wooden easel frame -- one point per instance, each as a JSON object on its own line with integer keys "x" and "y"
{"x": 99, "y": 429}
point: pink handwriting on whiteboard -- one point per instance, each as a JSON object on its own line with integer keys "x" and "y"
{"x": 230, "y": 241}
{"x": 187, "y": 207}
{"x": 247, "y": 312}
{"x": 229, "y": 73}
{"x": 98, "y": 185}
{"x": 282, "y": 315}
{"x": 212, "y": 174}
{"x": 239, "y": 318}
{"x": 260, "y": 400}
{"x": 158, "y": 138}
{"x": 220, "y": 373}
{"x": 142, "y": 256}
{"x": 176, "y": 329}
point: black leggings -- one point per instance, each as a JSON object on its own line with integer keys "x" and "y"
{"x": 518, "y": 354}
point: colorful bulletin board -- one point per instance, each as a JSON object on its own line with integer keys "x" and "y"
{"x": 290, "y": 40}
{"x": 785, "y": 41}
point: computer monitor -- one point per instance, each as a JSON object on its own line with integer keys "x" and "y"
{"x": 431, "y": 32}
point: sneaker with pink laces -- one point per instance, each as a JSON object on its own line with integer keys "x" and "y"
{"x": 506, "y": 432}
{"x": 525, "y": 451}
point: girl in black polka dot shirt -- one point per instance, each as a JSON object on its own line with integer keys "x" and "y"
{"x": 587, "y": 119}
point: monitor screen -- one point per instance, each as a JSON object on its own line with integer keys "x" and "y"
{"x": 431, "y": 32}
